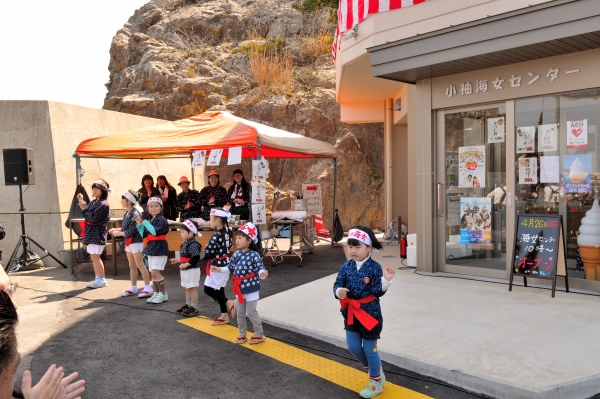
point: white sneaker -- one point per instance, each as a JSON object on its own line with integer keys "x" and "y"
{"x": 152, "y": 298}
{"x": 160, "y": 298}
{"x": 97, "y": 284}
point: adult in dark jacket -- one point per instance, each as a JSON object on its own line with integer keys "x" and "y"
{"x": 212, "y": 196}
{"x": 187, "y": 201}
{"x": 148, "y": 190}
{"x": 168, "y": 195}
{"x": 238, "y": 195}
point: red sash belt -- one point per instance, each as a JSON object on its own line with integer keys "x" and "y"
{"x": 83, "y": 226}
{"x": 354, "y": 310}
{"x": 184, "y": 260}
{"x": 128, "y": 241}
{"x": 155, "y": 238}
{"x": 210, "y": 260}
{"x": 237, "y": 282}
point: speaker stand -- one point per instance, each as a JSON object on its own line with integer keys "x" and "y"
{"x": 23, "y": 260}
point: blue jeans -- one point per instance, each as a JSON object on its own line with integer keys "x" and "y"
{"x": 365, "y": 352}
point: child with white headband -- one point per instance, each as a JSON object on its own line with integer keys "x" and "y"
{"x": 217, "y": 254}
{"x": 96, "y": 214}
{"x": 157, "y": 248}
{"x": 359, "y": 284}
{"x": 133, "y": 244}
{"x": 189, "y": 257}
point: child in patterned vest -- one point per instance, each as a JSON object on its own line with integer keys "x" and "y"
{"x": 189, "y": 257}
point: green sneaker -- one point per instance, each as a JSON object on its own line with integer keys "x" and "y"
{"x": 372, "y": 389}
{"x": 382, "y": 375}
{"x": 151, "y": 299}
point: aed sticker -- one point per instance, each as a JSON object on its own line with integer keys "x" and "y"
{"x": 366, "y": 280}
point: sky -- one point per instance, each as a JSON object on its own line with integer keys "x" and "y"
{"x": 59, "y": 50}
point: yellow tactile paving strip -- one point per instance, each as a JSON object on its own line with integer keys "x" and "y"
{"x": 340, "y": 374}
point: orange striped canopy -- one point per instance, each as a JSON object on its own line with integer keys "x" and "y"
{"x": 211, "y": 130}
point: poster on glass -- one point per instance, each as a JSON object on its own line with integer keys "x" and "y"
{"x": 475, "y": 220}
{"x": 577, "y": 177}
{"x": 528, "y": 171}
{"x": 548, "y": 137}
{"x": 526, "y": 140}
{"x": 471, "y": 166}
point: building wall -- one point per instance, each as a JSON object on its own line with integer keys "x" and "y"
{"x": 400, "y": 194}
{"x": 53, "y": 130}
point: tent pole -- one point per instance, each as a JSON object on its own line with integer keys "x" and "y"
{"x": 77, "y": 170}
{"x": 192, "y": 169}
{"x": 334, "y": 195}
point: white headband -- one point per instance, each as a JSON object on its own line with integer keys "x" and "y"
{"x": 130, "y": 197}
{"x": 193, "y": 229}
{"x": 220, "y": 212}
{"x": 360, "y": 236}
{"x": 250, "y": 230}
{"x": 155, "y": 199}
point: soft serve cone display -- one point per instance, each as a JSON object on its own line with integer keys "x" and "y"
{"x": 589, "y": 242}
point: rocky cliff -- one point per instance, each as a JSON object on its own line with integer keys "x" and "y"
{"x": 263, "y": 60}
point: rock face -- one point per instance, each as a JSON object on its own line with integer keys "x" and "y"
{"x": 260, "y": 60}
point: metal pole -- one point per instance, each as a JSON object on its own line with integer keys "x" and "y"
{"x": 77, "y": 170}
{"x": 334, "y": 196}
{"x": 192, "y": 168}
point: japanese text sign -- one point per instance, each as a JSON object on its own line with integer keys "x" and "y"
{"x": 536, "y": 245}
{"x": 259, "y": 193}
{"x": 199, "y": 158}
{"x": 259, "y": 215}
{"x": 495, "y": 130}
{"x": 312, "y": 194}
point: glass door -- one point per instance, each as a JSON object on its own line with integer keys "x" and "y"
{"x": 472, "y": 191}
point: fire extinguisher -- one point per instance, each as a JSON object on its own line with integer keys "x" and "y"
{"x": 403, "y": 243}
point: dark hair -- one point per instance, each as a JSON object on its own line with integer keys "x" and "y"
{"x": 8, "y": 336}
{"x": 226, "y": 227}
{"x": 165, "y": 179}
{"x": 244, "y": 182}
{"x": 147, "y": 177}
{"x": 104, "y": 190}
{"x": 252, "y": 246}
{"x": 353, "y": 242}
{"x": 135, "y": 194}
{"x": 183, "y": 226}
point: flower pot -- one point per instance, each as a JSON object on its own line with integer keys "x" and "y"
{"x": 590, "y": 255}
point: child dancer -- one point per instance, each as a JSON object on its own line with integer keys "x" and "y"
{"x": 134, "y": 244}
{"x": 157, "y": 248}
{"x": 189, "y": 256}
{"x": 246, "y": 266}
{"x": 217, "y": 254}
{"x": 96, "y": 215}
{"x": 359, "y": 284}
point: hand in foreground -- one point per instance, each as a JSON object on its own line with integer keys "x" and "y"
{"x": 215, "y": 269}
{"x": 342, "y": 292}
{"x": 138, "y": 220}
{"x": 263, "y": 274}
{"x": 73, "y": 390}
{"x": 174, "y": 260}
{"x": 49, "y": 387}
{"x": 388, "y": 273}
{"x": 184, "y": 265}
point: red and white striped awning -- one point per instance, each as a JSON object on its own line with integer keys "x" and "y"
{"x": 352, "y": 12}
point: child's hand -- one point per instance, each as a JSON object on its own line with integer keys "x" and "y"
{"x": 215, "y": 269}
{"x": 388, "y": 273}
{"x": 184, "y": 265}
{"x": 138, "y": 220}
{"x": 80, "y": 197}
{"x": 263, "y": 274}
{"x": 342, "y": 292}
{"x": 174, "y": 260}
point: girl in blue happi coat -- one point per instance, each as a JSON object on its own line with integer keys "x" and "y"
{"x": 359, "y": 284}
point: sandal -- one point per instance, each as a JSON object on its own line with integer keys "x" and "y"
{"x": 232, "y": 308}
{"x": 257, "y": 340}
{"x": 129, "y": 293}
{"x": 218, "y": 321}
{"x": 145, "y": 294}
{"x": 241, "y": 340}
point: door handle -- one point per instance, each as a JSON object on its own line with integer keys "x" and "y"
{"x": 440, "y": 202}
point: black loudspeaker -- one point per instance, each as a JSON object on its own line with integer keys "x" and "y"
{"x": 18, "y": 166}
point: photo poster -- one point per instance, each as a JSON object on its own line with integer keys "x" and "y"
{"x": 451, "y": 168}
{"x": 577, "y": 134}
{"x": 214, "y": 158}
{"x": 475, "y": 220}
{"x": 313, "y": 195}
{"x": 550, "y": 169}
{"x": 495, "y": 130}
{"x": 259, "y": 193}
{"x": 259, "y": 214}
{"x": 577, "y": 173}
{"x": 198, "y": 159}
{"x": 453, "y": 211}
{"x": 528, "y": 171}
{"x": 260, "y": 169}
{"x": 548, "y": 137}
{"x": 235, "y": 156}
{"x": 471, "y": 166}
{"x": 525, "y": 140}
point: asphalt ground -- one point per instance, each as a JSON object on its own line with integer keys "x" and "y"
{"x": 125, "y": 348}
